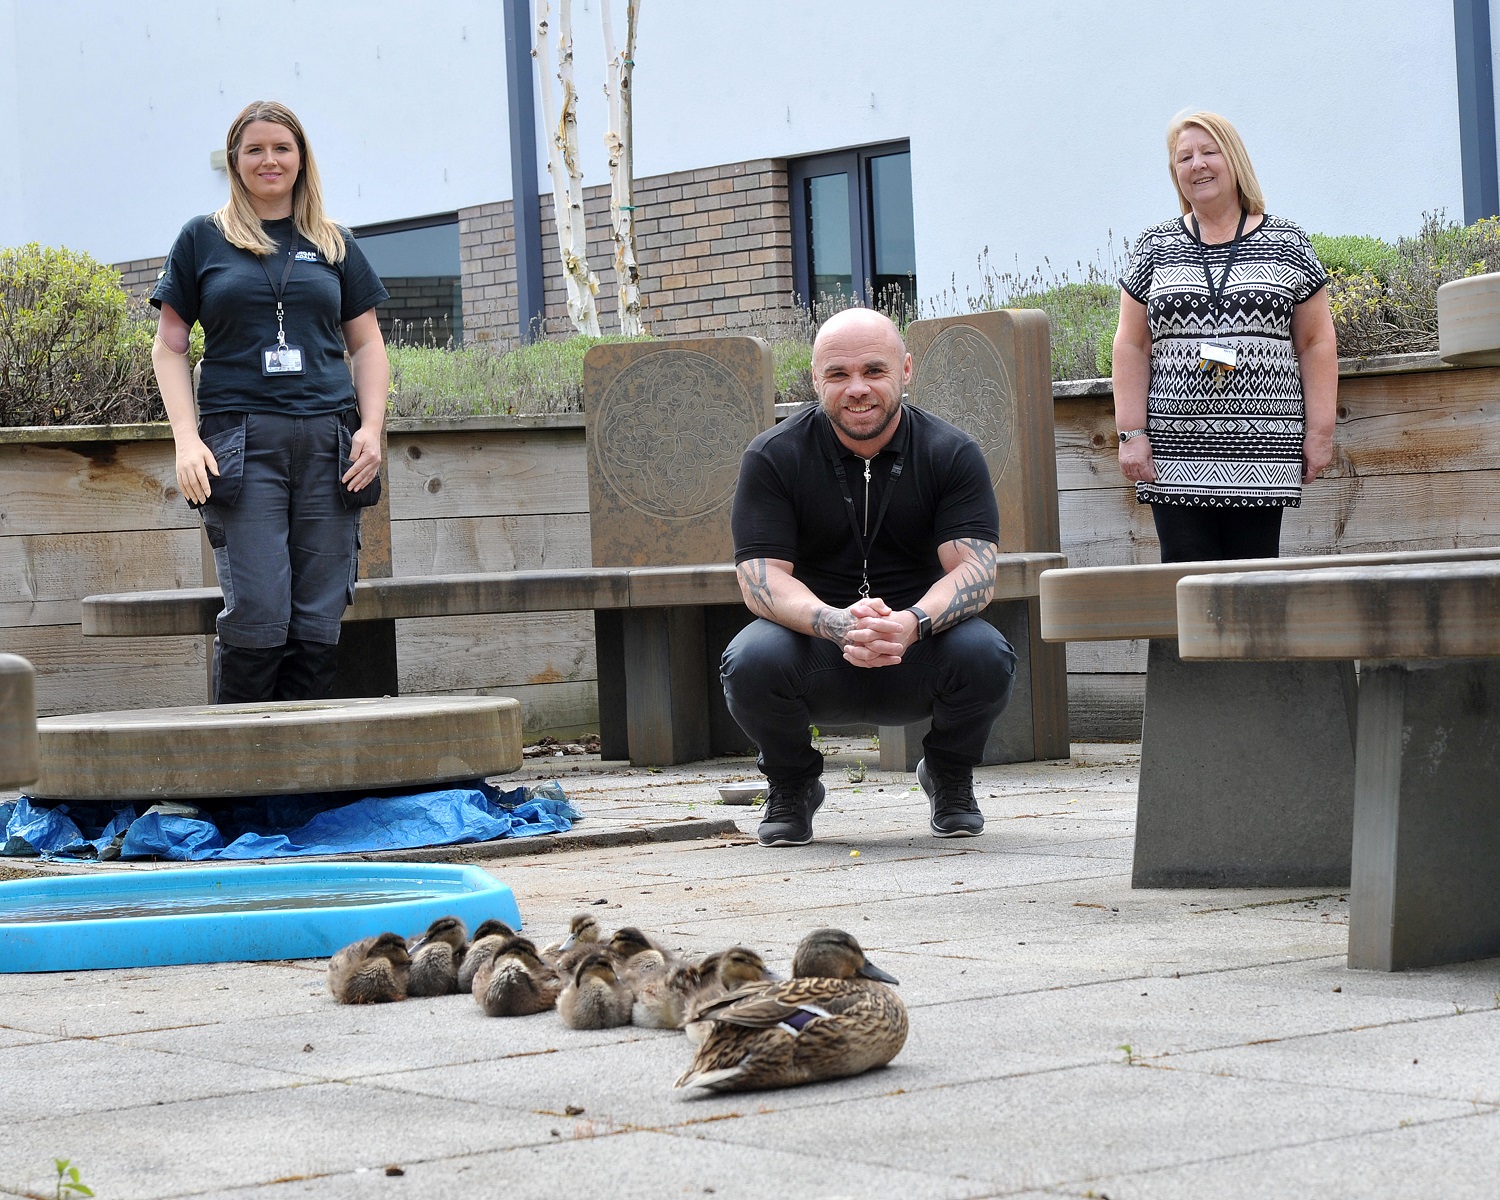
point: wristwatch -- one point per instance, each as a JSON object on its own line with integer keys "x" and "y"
{"x": 1127, "y": 434}
{"x": 924, "y": 623}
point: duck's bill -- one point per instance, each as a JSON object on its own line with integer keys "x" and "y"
{"x": 568, "y": 942}
{"x": 871, "y": 971}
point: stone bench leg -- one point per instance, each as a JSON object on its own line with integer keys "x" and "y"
{"x": 18, "y": 740}
{"x": 1426, "y": 886}
{"x": 1247, "y": 774}
{"x": 1034, "y": 724}
{"x": 666, "y": 693}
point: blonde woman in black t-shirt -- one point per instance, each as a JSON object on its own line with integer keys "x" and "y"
{"x": 282, "y": 446}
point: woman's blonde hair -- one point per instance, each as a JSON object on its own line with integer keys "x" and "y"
{"x": 1228, "y": 139}
{"x": 238, "y": 221}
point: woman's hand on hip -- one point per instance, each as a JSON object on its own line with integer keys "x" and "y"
{"x": 1135, "y": 460}
{"x": 364, "y": 459}
{"x": 1317, "y": 453}
{"x": 195, "y": 463}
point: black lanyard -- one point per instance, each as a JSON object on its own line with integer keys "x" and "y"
{"x": 865, "y": 540}
{"x": 278, "y": 292}
{"x": 1216, "y": 295}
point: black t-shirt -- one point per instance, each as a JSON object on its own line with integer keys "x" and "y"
{"x": 789, "y": 505}
{"x": 226, "y": 290}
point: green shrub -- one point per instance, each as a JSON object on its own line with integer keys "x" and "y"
{"x": 75, "y": 349}
{"x": 1355, "y": 254}
{"x": 1396, "y": 313}
{"x": 543, "y": 377}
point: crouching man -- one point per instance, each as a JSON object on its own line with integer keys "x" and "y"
{"x": 865, "y": 535}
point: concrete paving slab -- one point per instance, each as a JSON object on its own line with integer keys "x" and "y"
{"x": 66, "y": 1077}
{"x": 1067, "y": 1128}
{"x": 645, "y": 1163}
{"x": 1418, "y": 1057}
{"x": 1022, "y": 957}
{"x": 257, "y": 1138}
{"x": 1432, "y": 1160}
{"x": 338, "y": 1041}
{"x": 99, "y": 1003}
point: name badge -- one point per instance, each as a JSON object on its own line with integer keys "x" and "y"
{"x": 1219, "y": 356}
{"x": 281, "y": 360}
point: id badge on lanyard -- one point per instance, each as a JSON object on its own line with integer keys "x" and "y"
{"x": 1215, "y": 355}
{"x": 281, "y": 359}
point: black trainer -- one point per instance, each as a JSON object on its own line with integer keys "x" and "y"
{"x": 789, "y": 813}
{"x": 955, "y": 812}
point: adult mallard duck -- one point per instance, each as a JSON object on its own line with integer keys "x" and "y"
{"x": 595, "y": 997}
{"x": 664, "y": 1001}
{"x": 487, "y": 939}
{"x": 435, "y": 956}
{"x": 373, "y": 970}
{"x": 834, "y": 1018}
{"x": 516, "y": 982}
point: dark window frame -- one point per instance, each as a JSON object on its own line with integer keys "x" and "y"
{"x": 852, "y": 161}
{"x": 405, "y": 225}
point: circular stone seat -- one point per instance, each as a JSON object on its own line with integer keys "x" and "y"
{"x": 285, "y": 747}
{"x": 18, "y": 746}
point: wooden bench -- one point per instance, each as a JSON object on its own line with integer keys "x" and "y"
{"x": 18, "y": 742}
{"x": 658, "y": 695}
{"x": 1426, "y": 839}
{"x": 1247, "y": 768}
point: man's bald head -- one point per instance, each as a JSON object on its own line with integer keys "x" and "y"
{"x": 860, "y": 370}
{"x": 862, "y": 323}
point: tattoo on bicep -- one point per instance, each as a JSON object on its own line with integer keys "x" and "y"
{"x": 755, "y": 584}
{"x": 975, "y": 578}
{"x": 831, "y": 623}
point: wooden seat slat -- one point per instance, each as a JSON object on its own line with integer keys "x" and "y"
{"x": 1427, "y": 611}
{"x": 187, "y": 611}
{"x": 1121, "y": 603}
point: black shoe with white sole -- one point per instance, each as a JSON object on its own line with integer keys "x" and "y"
{"x": 789, "y": 812}
{"x": 955, "y": 812}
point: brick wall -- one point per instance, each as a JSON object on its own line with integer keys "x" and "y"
{"x": 715, "y": 251}
{"x": 426, "y": 307}
{"x": 138, "y": 277}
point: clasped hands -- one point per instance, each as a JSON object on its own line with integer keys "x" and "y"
{"x": 876, "y": 635}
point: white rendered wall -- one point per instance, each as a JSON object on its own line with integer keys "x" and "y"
{"x": 1036, "y": 129}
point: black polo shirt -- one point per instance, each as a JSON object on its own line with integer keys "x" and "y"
{"x": 226, "y": 290}
{"x": 789, "y": 505}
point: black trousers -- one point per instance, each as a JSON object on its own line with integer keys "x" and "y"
{"x": 778, "y": 683}
{"x": 1196, "y": 533}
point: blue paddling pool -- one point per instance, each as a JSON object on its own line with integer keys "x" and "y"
{"x": 232, "y": 914}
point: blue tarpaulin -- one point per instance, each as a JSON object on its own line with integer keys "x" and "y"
{"x": 286, "y": 826}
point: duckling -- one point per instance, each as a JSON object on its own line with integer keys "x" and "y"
{"x": 595, "y": 997}
{"x": 665, "y": 1001}
{"x": 633, "y": 950}
{"x": 584, "y": 936}
{"x": 831, "y": 1020}
{"x": 515, "y": 982}
{"x": 435, "y": 956}
{"x": 373, "y": 970}
{"x": 487, "y": 939}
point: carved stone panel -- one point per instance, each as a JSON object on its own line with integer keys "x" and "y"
{"x": 667, "y": 424}
{"x": 990, "y": 374}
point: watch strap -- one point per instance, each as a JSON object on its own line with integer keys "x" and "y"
{"x": 1127, "y": 434}
{"x": 924, "y": 623}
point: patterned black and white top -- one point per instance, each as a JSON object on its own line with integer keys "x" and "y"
{"x": 1240, "y": 444}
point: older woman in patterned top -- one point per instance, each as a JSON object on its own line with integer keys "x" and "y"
{"x": 1225, "y": 367}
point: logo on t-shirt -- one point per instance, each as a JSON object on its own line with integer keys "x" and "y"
{"x": 307, "y": 256}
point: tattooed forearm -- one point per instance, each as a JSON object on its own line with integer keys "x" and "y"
{"x": 755, "y": 586}
{"x": 974, "y": 581}
{"x": 832, "y": 623}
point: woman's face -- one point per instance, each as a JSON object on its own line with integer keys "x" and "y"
{"x": 268, "y": 163}
{"x": 1203, "y": 173}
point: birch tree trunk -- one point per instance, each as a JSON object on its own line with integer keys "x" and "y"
{"x": 621, "y": 145}
{"x": 562, "y": 165}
